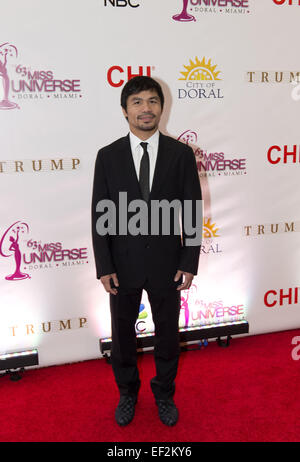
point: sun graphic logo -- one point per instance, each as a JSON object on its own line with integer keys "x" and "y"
{"x": 200, "y": 70}
{"x": 210, "y": 246}
{"x": 209, "y": 229}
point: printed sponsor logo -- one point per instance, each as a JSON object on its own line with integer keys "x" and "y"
{"x": 118, "y": 75}
{"x": 213, "y": 164}
{"x": 287, "y": 2}
{"x": 263, "y": 229}
{"x": 28, "y": 254}
{"x": 122, "y": 3}
{"x": 210, "y": 245}
{"x": 26, "y": 82}
{"x": 196, "y": 311}
{"x": 192, "y": 9}
{"x": 283, "y": 154}
{"x": 36, "y": 166}
{"x": 29, "y": 329}
{"x": 274, "y": 77}
{"x": 281, "y": 297}
{"x": 201, "y": 79}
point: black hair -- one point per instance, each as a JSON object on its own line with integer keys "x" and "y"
{"x": 138, "y": 84}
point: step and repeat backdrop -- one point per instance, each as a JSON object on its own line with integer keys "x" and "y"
{"x": 231, "y": 75}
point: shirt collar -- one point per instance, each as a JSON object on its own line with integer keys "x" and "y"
{"x": 135, "y": 141}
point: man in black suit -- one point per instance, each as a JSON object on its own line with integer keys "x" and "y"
{"x": 145, "y": 166}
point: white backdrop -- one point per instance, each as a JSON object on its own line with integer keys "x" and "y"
{"x": 232, "y": 90}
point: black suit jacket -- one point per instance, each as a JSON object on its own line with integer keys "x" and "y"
{"x": 153, "y": 257}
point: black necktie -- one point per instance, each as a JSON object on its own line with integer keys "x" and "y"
{"x": 144, "y": 173}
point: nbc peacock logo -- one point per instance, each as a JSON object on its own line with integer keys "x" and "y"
{"x": 201, "y": 78}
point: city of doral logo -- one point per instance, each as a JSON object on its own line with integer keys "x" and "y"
{"x": 200, "y": 70}
{"x": 209, "y": 229}
{"x": 201, "y": 79}
{"x": 209, "y": 245}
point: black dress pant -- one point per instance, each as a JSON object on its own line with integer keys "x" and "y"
{"x": 165, "y": 307}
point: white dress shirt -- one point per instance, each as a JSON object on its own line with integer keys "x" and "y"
{"x": 137, "y": 153}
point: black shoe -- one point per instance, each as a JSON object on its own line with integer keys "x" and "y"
{"x": 167, "y": 411}
{"x": 125, "y": 409}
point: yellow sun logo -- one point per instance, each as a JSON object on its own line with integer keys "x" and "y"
{"x": 209, "y": 229}
{"x": 200, "y": 70}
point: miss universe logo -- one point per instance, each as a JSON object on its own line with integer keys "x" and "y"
{"x": 35, "y": 254}
{"x": 213, "y": 164}
{"x": 212, "y": 7}
{"x": 24, "y": 81}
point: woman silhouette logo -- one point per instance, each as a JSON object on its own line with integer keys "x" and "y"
{"x": 184, "y": 16}
{"x": 184, "y": 303}
{"x": 6, "y": 49}
{"x": 9, "y": 245}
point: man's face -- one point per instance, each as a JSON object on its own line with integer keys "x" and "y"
{"x": 143, "y": 112}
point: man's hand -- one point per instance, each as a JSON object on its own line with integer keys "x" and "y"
{"x": 106, "y": 282}
{"x": 187, "y": 282}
